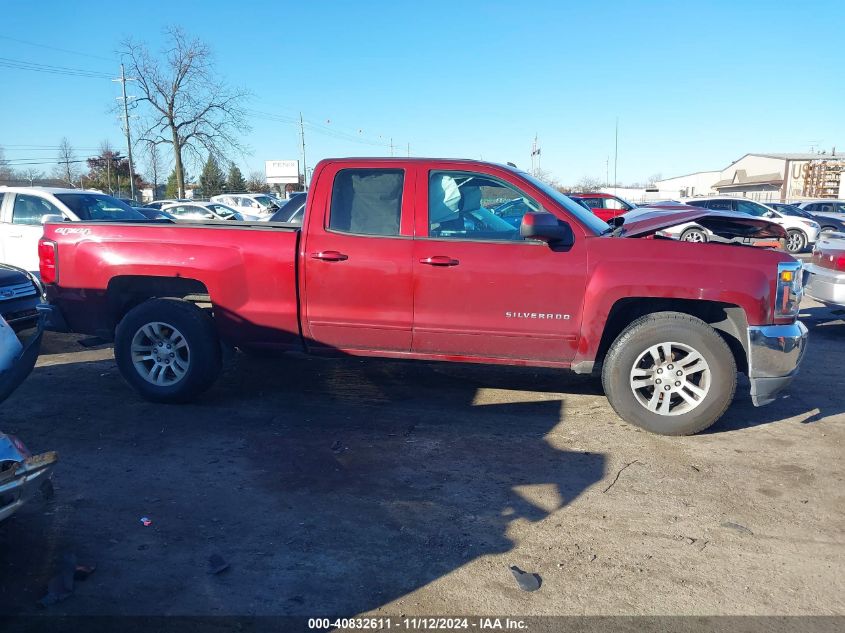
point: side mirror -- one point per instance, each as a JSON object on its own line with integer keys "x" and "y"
{"x": 546, "y": 228}
{"x": 52, "y": 218}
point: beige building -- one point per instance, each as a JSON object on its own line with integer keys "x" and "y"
{"x": 765, "y": 177}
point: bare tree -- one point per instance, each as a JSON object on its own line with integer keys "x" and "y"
{"x": 547, "y": 177}
{"x": 257, "y": 183}
{"x": 587, "y": 184}
{"x": 31, "y": 174}
{"x": 185, "y": 102}
{"x": 6, "y": 171}
{"x": 67, "y": 166}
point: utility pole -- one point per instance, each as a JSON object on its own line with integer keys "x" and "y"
{"x": 409, "y": 150}
{"x": 607, "y": 171}
{"x": 615, "y": 156}
{"x": 304, "y": 164}
{"x": 391, "y": 146}
{"x": 123, "y": 81}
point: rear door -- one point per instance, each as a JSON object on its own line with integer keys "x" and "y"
{"x": 481, "y": 290}
{"x": 356, "y": 253}
{"x": 22, "y": 228}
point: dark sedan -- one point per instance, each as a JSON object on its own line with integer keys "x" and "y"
{"x": 827, "y": 223}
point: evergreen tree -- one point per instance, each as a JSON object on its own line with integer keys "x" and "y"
{"x": 172, "y": 189}
{"x": 235, "y": 181}
{"x": 212, "y": 179}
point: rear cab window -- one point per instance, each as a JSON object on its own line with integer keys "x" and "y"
{"x": 367, "y": 201}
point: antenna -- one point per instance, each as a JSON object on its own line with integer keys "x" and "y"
{"x": 615, "y": 156}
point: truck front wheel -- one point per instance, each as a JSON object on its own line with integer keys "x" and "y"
{"x": 168, "y": 350}
{"x": 669, "y": 373}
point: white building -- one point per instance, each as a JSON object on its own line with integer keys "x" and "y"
{"x": 765, "y": 177}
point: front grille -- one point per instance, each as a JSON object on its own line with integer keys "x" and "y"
{"x": 16, "y": 291}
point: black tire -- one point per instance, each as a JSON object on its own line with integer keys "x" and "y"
{"x": 197, "y": 329}
{"x": 796, "y": 241}
{"x": 663, "y": 327}
{"x": 694, "y": 235}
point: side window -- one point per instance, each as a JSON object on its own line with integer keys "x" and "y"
{"x": 750, "y": 208}
{"x": 463, "y": 206}
{"x": 613, "y": 203}
{"x": 367, "y": 201}
{"x": 30, "y": 209}
{"x": 720, "y": 205}
{"x": 697, "y": 203}
{"x": 594, "y": 203}
{"x": 840, "y": 207}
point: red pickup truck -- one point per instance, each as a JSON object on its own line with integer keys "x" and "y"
{"x": 403, "y": 258}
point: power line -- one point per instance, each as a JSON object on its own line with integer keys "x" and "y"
{"x": 19, "y": 64}
{"x": 55, "y": 48}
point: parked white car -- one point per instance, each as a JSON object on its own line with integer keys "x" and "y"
{"x": 198, "y": 210}
{"x": 824, "y": 274}
{"x": 801, "y": 233}
{"x": 23, "y": 209}
{"x": 254, "y": 204}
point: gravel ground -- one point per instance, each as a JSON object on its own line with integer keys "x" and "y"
{"x": 368, "y": 486}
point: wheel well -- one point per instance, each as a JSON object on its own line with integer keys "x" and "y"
{"x": 727, "y": 319}
{"x": 126, "y": 292}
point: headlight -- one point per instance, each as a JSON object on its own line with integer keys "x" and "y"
{"x": 789, "y": 289}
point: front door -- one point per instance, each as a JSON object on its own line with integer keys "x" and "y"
{"x": 21, "y": 228}
{"x": 358, "y": 285}
{"x": 480, "y": 289}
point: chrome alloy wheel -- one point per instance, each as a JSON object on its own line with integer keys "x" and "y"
{"x": 160, "y": 354}
{"x": 694, "y": 236}
{"x": 794, "y": 241}
{"x": 670, "y": 378}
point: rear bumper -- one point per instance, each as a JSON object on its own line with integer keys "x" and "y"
{"x": 774, "y": 355}
{"x": 824, "y": 284}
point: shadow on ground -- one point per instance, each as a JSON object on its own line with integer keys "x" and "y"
{"x": 331, "y": 486}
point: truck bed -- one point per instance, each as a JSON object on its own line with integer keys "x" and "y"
{"x": 248, "y": 269}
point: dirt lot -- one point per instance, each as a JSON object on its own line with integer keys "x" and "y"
{"x": 349, "y": 486}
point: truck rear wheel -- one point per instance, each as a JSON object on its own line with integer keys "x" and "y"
{"x": 669, "y": 373}
{"x": 168, "y": 350}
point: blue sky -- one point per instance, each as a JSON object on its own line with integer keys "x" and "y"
{"x": 694, "y": 84}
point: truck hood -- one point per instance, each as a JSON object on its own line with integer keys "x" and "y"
{"x": 725, "y": 224}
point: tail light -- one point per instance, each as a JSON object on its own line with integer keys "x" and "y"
{"x": 789, "y": 290}
{"x": 48, "y": 261}
{"x": 839, "y": 263}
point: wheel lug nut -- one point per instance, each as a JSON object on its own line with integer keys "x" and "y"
{"x": 160, "y": 343}
{"x": 671, "y": 367}
{"x": 172, "y": 355}
{"x": 667, "y": 387}
{"x": 168, "y": 347}
{"x": 658, "y": 381}
{"x": 678, "y": 383}
{"x": 659, "y": 371}
{"x": 679, "y": 373}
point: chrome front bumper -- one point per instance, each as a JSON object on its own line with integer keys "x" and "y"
{"x": 774, "y": 354}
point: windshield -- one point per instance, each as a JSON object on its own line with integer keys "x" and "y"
{"x": 788, "y": 209}
{"x": 98, "y": 206}
{"x": 591, "y": 221}
{"x": 264, "y": 201}
{"x": 222, "y": 210}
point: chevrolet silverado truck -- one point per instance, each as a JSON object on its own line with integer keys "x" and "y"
{"x": 403, "y": 258}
